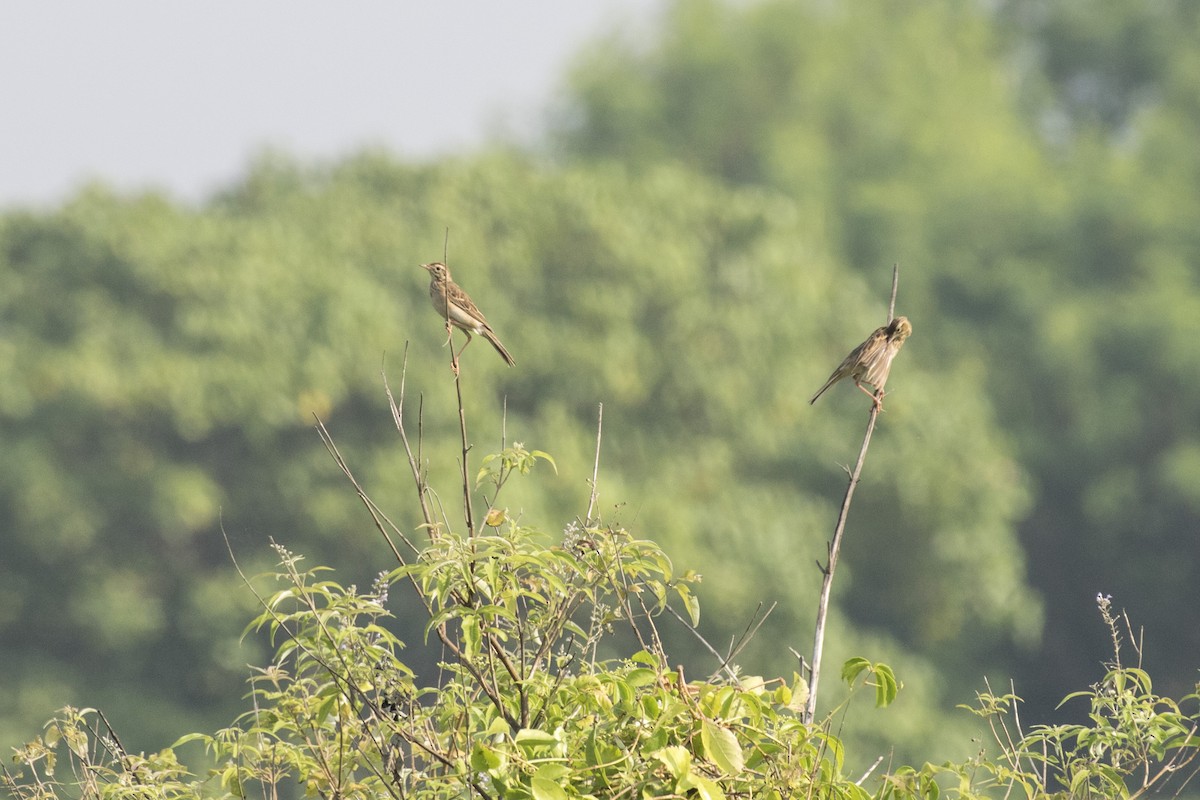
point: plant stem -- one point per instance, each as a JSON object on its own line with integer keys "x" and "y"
{"x": 835, "y": 547}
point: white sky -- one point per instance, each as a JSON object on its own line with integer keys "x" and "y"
{"x": 180, "y": 94}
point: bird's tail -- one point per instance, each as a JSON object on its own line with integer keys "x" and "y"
{"x": 821, "y": 391}
{"x": 491, "y": 337}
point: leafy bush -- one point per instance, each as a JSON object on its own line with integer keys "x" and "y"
{"x": 531, "y": 698}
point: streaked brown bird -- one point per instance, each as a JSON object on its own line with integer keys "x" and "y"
{"x": 456, "y": 306}
{"x": 871, "y": 361}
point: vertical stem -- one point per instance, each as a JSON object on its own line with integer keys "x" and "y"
{"x": 835, "y": 546}
{"x": 466, "y": 447}
{"x": 587, "y": 521}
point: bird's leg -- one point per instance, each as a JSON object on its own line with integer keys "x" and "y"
{"x": 876, "y": 396}
{"x": 464, "y": 347}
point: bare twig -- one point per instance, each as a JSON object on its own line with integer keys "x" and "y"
{"x": 595, "y": 467}
{"x": 895, "y": 286}
{"x": 738, "y": 645}
{"x": 466, "y": 446}
{"x": 414, "y": 461}
{"x": 751, "y": 628}
{"x": 867, "y": 774}
{"x": 382, "y": 523}
{"x": 835, "y": 545}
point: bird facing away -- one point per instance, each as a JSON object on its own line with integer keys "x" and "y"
{"x": 871, "y": 361}
{"x": 456, "y": 306}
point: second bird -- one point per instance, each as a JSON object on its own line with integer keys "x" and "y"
{"x": 456, "y": 306}
{"x": 871, "y": 361}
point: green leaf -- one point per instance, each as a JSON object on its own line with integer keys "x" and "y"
{"x": 531, "y": 737}
{"x": 470, "y": 636}
{"x": 484, "y": 758}
{"x": 690, "y": 602}
{"x": 706, "y": 788}
{"x": 546, "y": 789}
{"x": 483, "y": 474}
{"x": 853, "y": 668}
{"x": 800, "y": 692}
{"x": 641, "y": 677}
{"x": 721, "y": 745}
{"x": 644, "y": 657}
{"x": 497, "y": 727}
{"x": 545, "y": 457}
{"x": 676, "y": 759}
{"x": 886, "y": 686}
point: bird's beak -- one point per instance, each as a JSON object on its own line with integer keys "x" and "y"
{"x": 427, "y": 266}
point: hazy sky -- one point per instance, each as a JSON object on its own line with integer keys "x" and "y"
{"x": 180, "y": 94}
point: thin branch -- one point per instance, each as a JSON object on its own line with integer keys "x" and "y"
{"x": 724, "y": 665}
{"x": 595, "y": 467}
{"x": 867, "y": 774}
{"x": 735, "y": 648}
{"x": 466, "y": 446}
{"x": 397, "y": 408}
{"x": 377, "y": 514}
{"x": 748, "y": 634}
{"x": 895, "y": 286}
{"x": 835, "y": 545}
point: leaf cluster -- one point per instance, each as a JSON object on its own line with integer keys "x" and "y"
{"x": 1032, "y": 166}
{"x": 522, "y": 706}
{"x": 658, "y": 292}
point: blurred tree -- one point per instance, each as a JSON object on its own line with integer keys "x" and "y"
{"x": 163, "y": 364}
{"x": 1034, "y": 167}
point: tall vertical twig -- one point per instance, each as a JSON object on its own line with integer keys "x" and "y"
{"x": 835, "y": 545}
{"x": 595, "y": 468}
{"x": 466, "y": 445}
{"x": 414, "y": 460}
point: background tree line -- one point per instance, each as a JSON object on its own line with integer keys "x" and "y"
{"x": 708, "y": 227}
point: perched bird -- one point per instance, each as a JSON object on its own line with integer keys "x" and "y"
{"x": 454, "y": 305}
{"x": 871, "y": 361}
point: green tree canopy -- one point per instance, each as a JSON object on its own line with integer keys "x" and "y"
{"x": 165, "y": 363}
{"x": 1033, "y": 166}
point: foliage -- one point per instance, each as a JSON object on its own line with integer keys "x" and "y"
{"x": 1134, "y": 743}
{"x": 736, "y": 187}
{"x": 1032, "y": 167}
{"x": 522, "y": 705}
{"x": 176, "y": 396}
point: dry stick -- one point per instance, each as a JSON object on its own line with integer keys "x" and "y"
{"x": 743, "y": 641}
{"x": 835, "y": 546}
{"x": 462, "y": 422}
{"x": 397, "y": 408}
{"x": 497, "y": 651}
{"x": 895, "y": 285}
{"x": 382, "y": 523}
{"x": 735, "y": 647}
{"x": 867, "y": 774}
{"x": 414, "y": 462}
{"x": 595, "y": 468}
{"x": 466, "y": 448}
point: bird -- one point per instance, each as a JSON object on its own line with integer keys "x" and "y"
{"x": 871, "y": 361}
{"x": 456, "y": 307}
